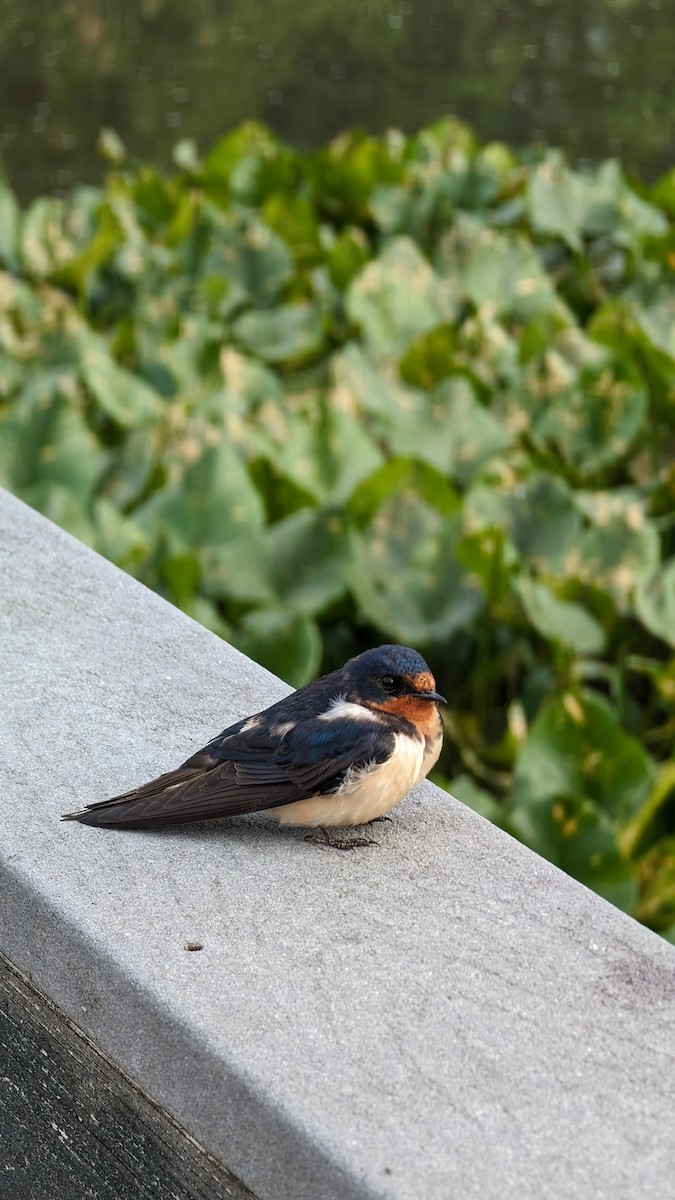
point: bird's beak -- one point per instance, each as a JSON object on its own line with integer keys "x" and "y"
{"x": 435, "y": 696}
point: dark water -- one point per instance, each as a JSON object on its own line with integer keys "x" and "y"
{"x": 594, "y": 76}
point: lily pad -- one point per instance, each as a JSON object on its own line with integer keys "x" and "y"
{"x": 122, "y": 396}
{"x": 246, "y": 256}
{"x": 559, "y": 620}
{"x": 291, "y": 333}
{"x": 655, "y": 603}
{"x": 396, "y": 298}
{"x": 326, "y": 452}
{"x": 500, "y": 273}
{"x": 406, "y": 577}
{"x": 46, "y": 440}
{"x": 591, "y": 419}
{"x": 308, "y": 560}
{"x": 212, "y": 503}
{"x": 618, "y": 553}
{"x": 577, "y": 747}
{"x": 448, "y": 429}
{"x": 301, "y": 563}
{"x": 538, "y": 513}
{"x": 287, "y": 644}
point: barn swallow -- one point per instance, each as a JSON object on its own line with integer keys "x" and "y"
{"x": 340, "y": 751}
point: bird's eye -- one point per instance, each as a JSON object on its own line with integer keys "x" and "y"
{"x": 388, "y": 682}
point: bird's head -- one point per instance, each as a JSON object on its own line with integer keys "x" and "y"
{"x": 393, "y": 679}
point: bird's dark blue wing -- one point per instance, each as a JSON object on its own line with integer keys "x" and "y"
{"x": 317, "y": 754}
{"x": 254, "y": 765}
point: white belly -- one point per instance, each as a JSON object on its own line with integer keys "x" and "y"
{"x": 365, "y": 794}
{"x": 431, "y": 753}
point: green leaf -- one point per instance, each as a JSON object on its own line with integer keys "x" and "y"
{"x": 620, "y": 550}
{"x": 396, "y": 298}
{"x": 544, "y": 524}
{"x": 592, "y": 419}
{"x": 346, "y": 257}
{"x": 539, "y": 514}
{"x": 236, "y": 570}
{"x": 500, "y": 273}
{"x": 300, "y": 563}
{"x": 345, "y": 174}
{"x": 484, "y": 555}
{"x": 247, "y": 382}
{"x": 578, "y": 777}
{"x": 122, "y": 396}
{"x": 430, "y": 359}
{"x": 213, "y": 503}
{"x": 137, "y": 463}
{"x": 663, "y": 192}
{"x": 325, "y": 452}
{"x": 245, "y": 262}
{"x": 292, "y": 333}
{"x": 62, "y": 506}
{"x": 359, "y": 384}
{"x": 645, "y": 332}
{"x": 655, "y": 322}
{"x": 308, "y": 559}
{"x": 465, "y": 788}
{"x": 557, "y": 200}
{"x": 406, "y": 577}
{"x": 407, "y": 475}
{"x": 182, "y": 573}
{"x": 57, "y": 232}
{"x": 287, "y": 644}
{"x": 560, "y": 620}
{"x": 46, "y": 440}
{"x": 640, "y": 220}
{"x": 247, "y": 165}
{"x": 573, "y": 205}
{"x": 656, "y": 907}
{"x": 654, "y": 818}
{"x": 577, "y": 748}
{"x": 118, "y": 538}
{"x": 655, "y": 602}
{"x": 579, "y": 838}
{"x": 293, "y": 219}
{"x": 449, "y": 430}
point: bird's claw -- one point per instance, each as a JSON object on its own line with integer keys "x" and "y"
{"x": 329, "y": 839}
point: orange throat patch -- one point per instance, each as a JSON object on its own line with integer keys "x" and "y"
{"x": 423, "y": 714}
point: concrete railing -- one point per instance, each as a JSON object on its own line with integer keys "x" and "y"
{"x": 443, "y": 1015}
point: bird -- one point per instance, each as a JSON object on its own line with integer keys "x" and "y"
{"x": 341, "y": 751}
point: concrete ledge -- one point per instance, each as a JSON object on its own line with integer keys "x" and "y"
{"x": 445, "y": 1015}
{"x": 72, "y": 1125}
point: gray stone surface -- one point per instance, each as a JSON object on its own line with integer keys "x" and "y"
{"x": 445, "y": 1015}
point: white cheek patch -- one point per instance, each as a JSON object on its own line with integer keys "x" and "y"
{"x": 341, "y": 709}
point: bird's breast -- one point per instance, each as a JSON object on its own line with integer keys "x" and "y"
{"x": 433, "y": 743}
{"x": 365, "y": 793}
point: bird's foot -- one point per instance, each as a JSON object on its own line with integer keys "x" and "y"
{"x": 384, "y": 817}
{"x": 329, "y": 839}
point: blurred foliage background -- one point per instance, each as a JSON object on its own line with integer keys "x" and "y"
{"x": 400, "y": 388}
{"x": 564, "y": 72}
